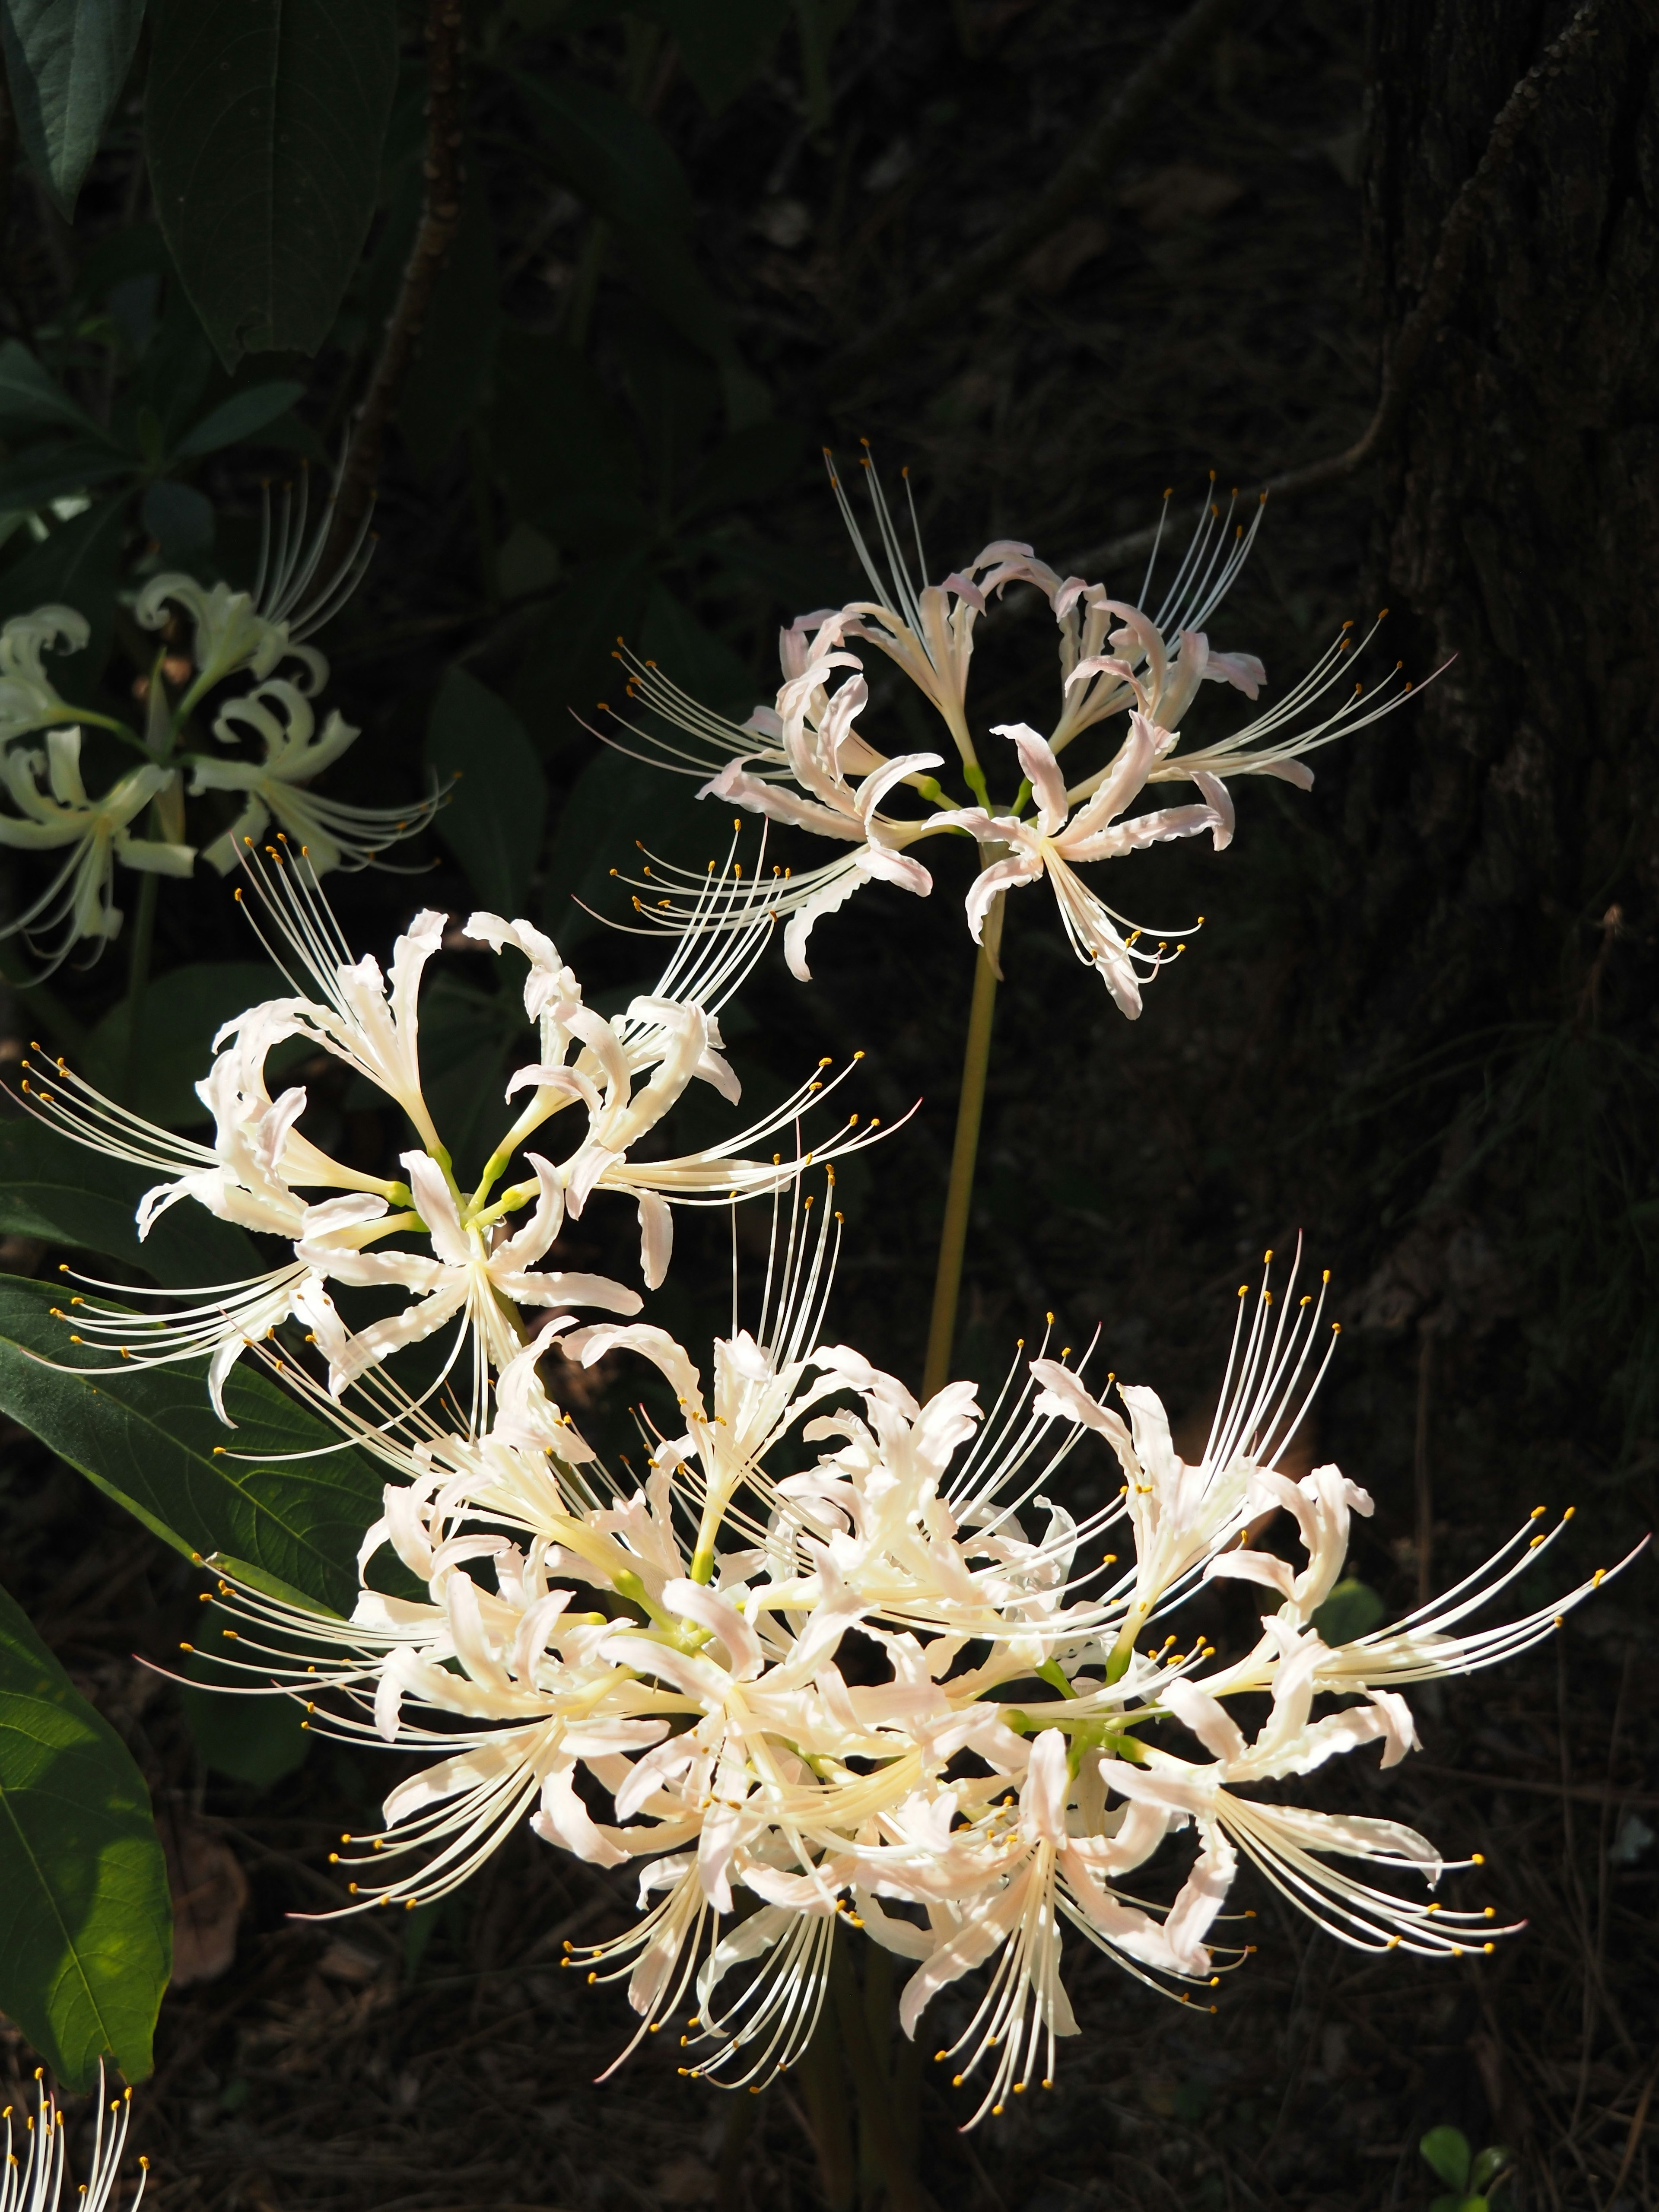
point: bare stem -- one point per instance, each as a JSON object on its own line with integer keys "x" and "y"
{"x": 953, "y": 1236}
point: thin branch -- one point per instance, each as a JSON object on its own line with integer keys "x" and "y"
{"x": 440, "y": 211}
{"x": 1139, "y": 104}
{"x": 1457, "y": 235}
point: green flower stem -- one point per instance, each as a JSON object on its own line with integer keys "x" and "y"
{"x": 876, "y": 2114}
{"x": 953, "y": 1236}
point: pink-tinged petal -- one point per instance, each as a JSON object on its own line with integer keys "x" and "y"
{"x": 1242, "y": 670}
{"x": 1125, "y": 777}
{"x": 1220, "y": 802}
{"x": 581, "y": 1175}
{"x": 563, "y": 1818}
{"x": 656, "y": 1238}
{"x": 1135, "y": 834}
{"x": 841, "y": 882}
{"x": 1048, "y": 1785}
{"x": 1073, "y": 589}
{"x": 1042, "y": 770}
{"x": 1399, "y": 1727}
{"x": 436, "y": 1205}
{"x": 569, "y": 1082}
{"x": 1101, "y": 664}
{"x": 1063, "y": 1397}
{"x": 1253, "y": 1567}
{"x": 1202, "y": 1897}
{"x": 970, "y": 1947}
{"x": 897, "y": 868}
{"x": 1002, "y": 875}
{"x": 569, "y": 1289}
{"x": 723, "y": 1621}
{"x": 1206, "y": 1716}
{"x": 957, "y": 582}
{"x": 1288, "y": 771}
{"x": 529, "y": 1244}
{"x": 654, "y": 1344}
{"x": 876, "y": 786}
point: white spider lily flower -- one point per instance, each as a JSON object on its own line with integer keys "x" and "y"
{"x": 260, "y": 628}
{"x": 1045, "y": 1875}
{"x": 50, "y": 798}
{"x": 28, "y": 698}
{"x": 332, "y": 833}
{"x": 478, "y": 1272}
{"x": 1182, "y": 1515}
{"x": 34, "y": 2165}
{"x": 819, "y": 753}
{"x": 1060, "y": 840}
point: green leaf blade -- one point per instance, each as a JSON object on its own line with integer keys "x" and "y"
{"x": 147, "y": 1438}
{"x": 86, "y": 1940}
{"x": 264, "y": 125}
{"x": 66, "y": 62}
{"x": 496, "y": 812}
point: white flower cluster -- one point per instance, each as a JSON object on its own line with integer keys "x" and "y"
{"x": 844, "y": 1661}
{"x": 804, "y": 761}
{"x": 841, "y": 1661}
{"x": 456, "y": 1253}
{"x": 140, "y": 820}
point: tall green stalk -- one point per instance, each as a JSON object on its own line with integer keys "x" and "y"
{"x": 959, "y": 1197}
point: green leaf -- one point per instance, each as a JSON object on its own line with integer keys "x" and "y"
{"x": 86, "y": 1928}
{"x": 238, "y": 417}
{"x": 722, "y": 47}
{"x": 498, "y": 810}
{"x": 148, "y": 1438}
{"x": 610, "y": 155}
{"x": 263, "y": 125}
{"x": 1447, "y": 2150}
{"x": 1352, "y": 1610}
{"x": 181, "y": 519}
{"x": 31, "y": 399}
{"x": 256, "y": 1740}
{"x": 558, "y": 437}
{"x": 569, "y": 665}
{"x": 182, "y": 1012}
{"x": 448, "y": 378}
{"x": 54, "y": 1188}
{"x": 77, "y": 567}
{"x": 66, "y": 62}
{"x": 661, "y": 266}
{"x": 48, "y": 470}
{"x": 1488, "y": 2164}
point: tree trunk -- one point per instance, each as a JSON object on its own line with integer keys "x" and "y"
{"x": 1501, "y": 831}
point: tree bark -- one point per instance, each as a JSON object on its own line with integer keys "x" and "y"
{"x": 1497, "y": 818}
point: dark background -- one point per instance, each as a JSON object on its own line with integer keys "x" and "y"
{"x": 1418, "y": 1027}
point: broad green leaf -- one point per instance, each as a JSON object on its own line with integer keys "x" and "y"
{"x": 75, "y": 567}
{"x": 263, "y": 125}
{"x": 446, "y": 379}
{"x": 182, "y": 1012}
{"x": 31, "y": 399}
{"x": 86, "y": 1928}
{"x": 256, "y": 1740}
{"x": 1447, "y": 2150}
{"x": 557, "y": 436}
{"x": 151, "y": 1440}
{"x": 756, "y": 463}
{"x": 662, "y": 267}
{"x": 1352, "y": 1610}
{"x": 722, "y": 47}
{"x": 52, "y": 1188}
{"x": 66, "y": 62}
{"x": 498, "y": 809}
{"x": 181, "y": 519}
{"x": 48, "y": 470}
{"x": 569, "y": 666}
{"x": 610, "y": 155}
{"x": 239, "y": 416}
